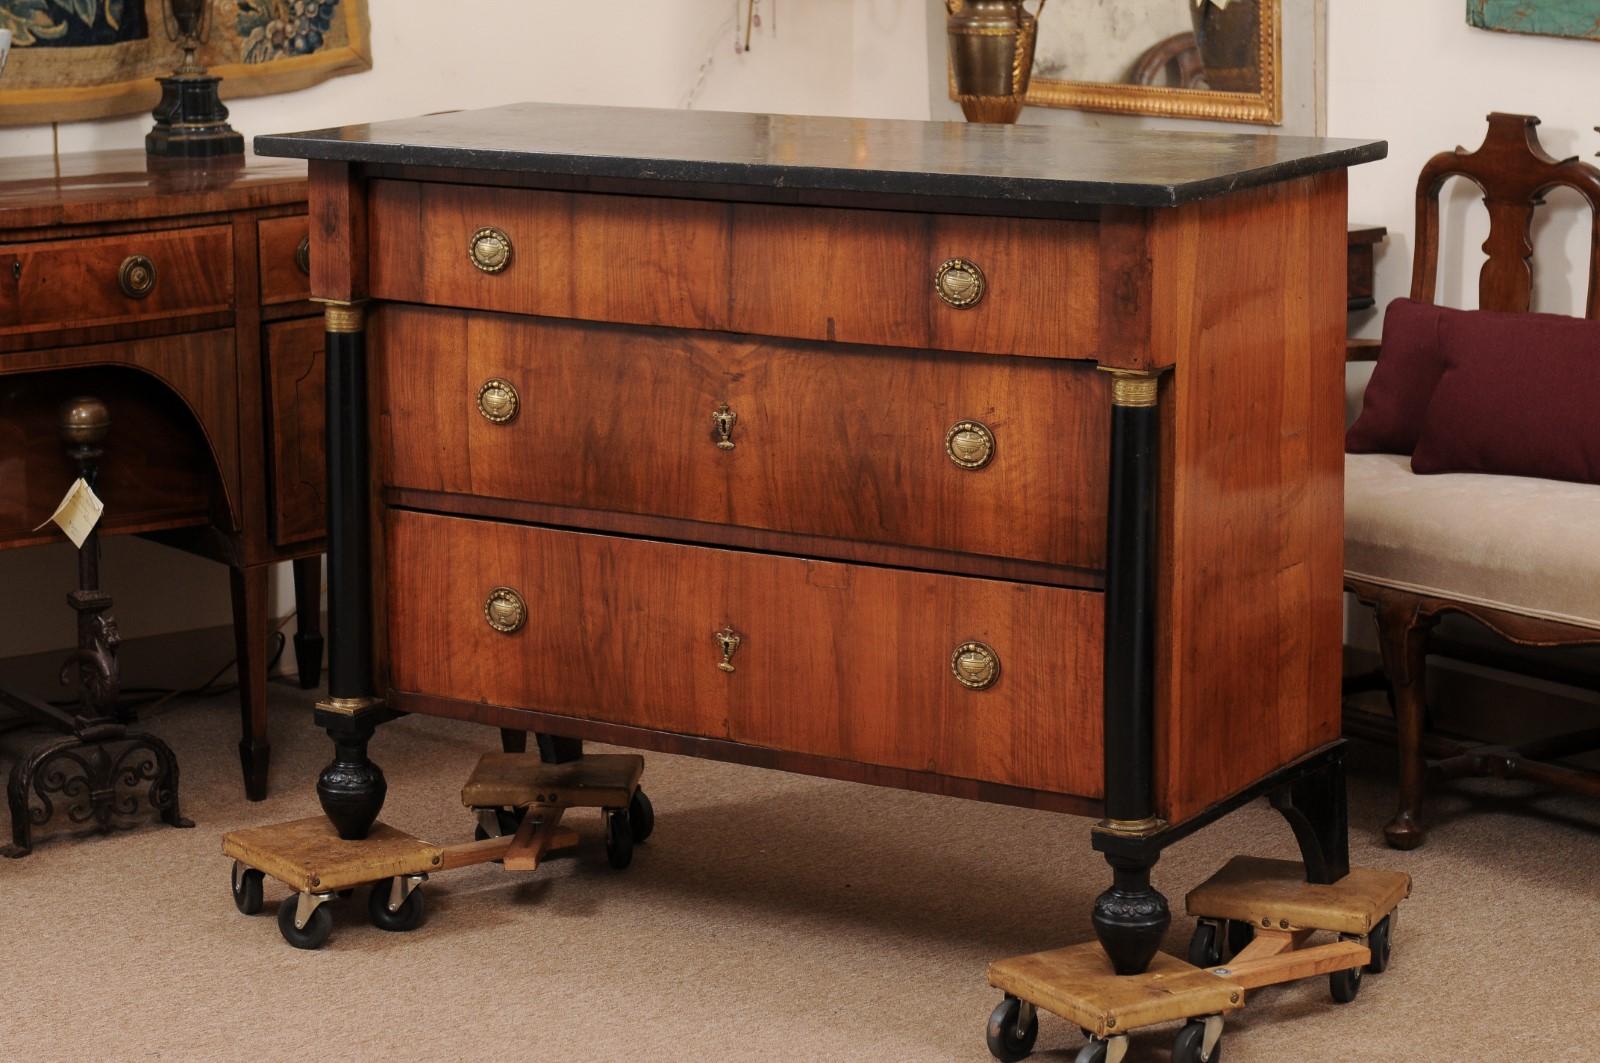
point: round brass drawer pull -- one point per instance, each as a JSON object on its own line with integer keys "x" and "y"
{"x": 960, "y": 283}
{"x": 505, "y": 610}
{"x": 975, "y": 665}
{"x": 498, "y": 401}
{"x": 490, "y": 249}
{"x": 302, "y": 255}
{"x": 970, "y": 444}
{"x": 137, "y": 276}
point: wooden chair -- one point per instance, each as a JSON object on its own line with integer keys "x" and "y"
{"x": 1419, "y": 547}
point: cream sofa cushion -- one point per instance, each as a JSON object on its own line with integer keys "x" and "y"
{"x": 1515, "y": 543}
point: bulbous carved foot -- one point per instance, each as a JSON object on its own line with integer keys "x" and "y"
{"x": 352, "y": 787}
{"x": 1131, "y": 917}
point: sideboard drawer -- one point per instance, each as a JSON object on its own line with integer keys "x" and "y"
{"x": 846, "y": 661}
{"x": 285, "y": 252}
{"x": 1002, "y": 457}
{"x": 106, "y": 280}
{"x": 817, "y": 273}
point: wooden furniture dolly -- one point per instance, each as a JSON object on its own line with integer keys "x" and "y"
{"x": 519, "y": 801}
{"x": 1256, "y": 919}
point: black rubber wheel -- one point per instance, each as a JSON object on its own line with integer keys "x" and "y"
{"x": 619, "y": 838}
{"x": 1240, "y": 934}
{"x": 1205, "y": 945}
{"x": 247, "y": 890}
{"x": 1344, "y": 985}
{"x": 642, "y": 814}
{"x": 317, "y": 928}
{"x": 1378, "y": 941}
{"x": 1190, "y": 1041}
{"x": 1007, "y": 1041}
{"x": 410, "y": 915}
{"x": 509, "y": 822}
{"x": 1093, "y": 1052}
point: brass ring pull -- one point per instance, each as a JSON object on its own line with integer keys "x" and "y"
{"x": 975, "y": 665}
{"x": 505, "y": 610}
{"x": 498, "y": 401}
{"x": 728, "y": 642}
{"x": 137, "y": 276}
{"x": 302, "y": 255}
{"x": 490, "y": 249}
{"x": 960, "y": 283}
{"x": 722, "y": 421}
{"x": 970, "y": 444}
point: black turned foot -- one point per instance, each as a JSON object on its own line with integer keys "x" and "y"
{"x": 352, "y": 787}
{"x": 513, "y": 740}
{"x": 1131, "y": 917}
{"x": 253, "y": 760}
{"x": 554, "y": 749}
{"x": 1317, "y": 808}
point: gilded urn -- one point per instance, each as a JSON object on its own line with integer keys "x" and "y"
{"x": 991, "y": 56}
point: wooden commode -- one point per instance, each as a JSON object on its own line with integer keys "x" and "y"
{"x": 1002, "y": 463}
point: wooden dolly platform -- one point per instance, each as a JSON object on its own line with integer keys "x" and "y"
{"x": 1255, "y": 921}
{"x": 524, "y": 801}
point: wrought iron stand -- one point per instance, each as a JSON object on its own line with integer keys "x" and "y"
{"x": 100, "y": 772}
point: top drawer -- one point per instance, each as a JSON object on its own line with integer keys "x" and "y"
{"x": 285, "y": 250}
{"x": 816, "y": 273}
{"x": 112, "y": 279}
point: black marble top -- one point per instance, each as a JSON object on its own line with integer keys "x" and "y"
{"x": 1040, "y": 164}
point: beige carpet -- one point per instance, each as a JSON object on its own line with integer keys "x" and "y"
{"x": 772, "y": 917}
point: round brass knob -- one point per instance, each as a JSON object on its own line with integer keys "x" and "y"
{"x": 970, "y": 444}
{"x": 975, "y": 665}
{"x": 505, "y": 610}
{"x": 137, "y": 276}
{"x": 490, "y": 249}
{"x": 302, "y": 255}
{"x": 960, "y": 283}
{"x": 498, "y": 401}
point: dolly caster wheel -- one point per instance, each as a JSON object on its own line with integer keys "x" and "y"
{"x": 247, "y": 889}
{"x": 619, "y": 838}
{"x": 407, "y": 917}
{"x": 642, "y": 815}
{"x": 1190, "y": 1045}
{"x": 1215, "y": 942}
{"x": 1093, "y": 1052}
{"x": 507, "y": 820}
{"x": 314, "y": 934}
{"x": 1344, "y": 985}
{"x": 1013, "y": 1027}
{"x": 1379, "y": 943}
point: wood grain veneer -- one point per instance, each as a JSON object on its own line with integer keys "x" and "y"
{"x": 282, "y": 278}
{"x": 297, "y": 431}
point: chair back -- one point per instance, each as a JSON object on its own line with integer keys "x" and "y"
{"x": 1514, "y": 172}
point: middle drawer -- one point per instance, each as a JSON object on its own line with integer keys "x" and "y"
{"x": 1002, "y": 457}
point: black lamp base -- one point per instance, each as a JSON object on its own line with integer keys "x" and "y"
{"x": 191, "y": 122}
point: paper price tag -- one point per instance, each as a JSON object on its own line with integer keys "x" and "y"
{"x": 78, "y": 512}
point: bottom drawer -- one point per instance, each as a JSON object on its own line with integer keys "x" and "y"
{"x": 833, "y": 660}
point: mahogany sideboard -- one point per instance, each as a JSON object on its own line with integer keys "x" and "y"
{"x": 179, "y": 293}
{"x": 999, "y": 462}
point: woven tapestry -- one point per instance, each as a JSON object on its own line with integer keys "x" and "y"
{"x": 1550, "y": 18}
{"x": 75, "y": 59}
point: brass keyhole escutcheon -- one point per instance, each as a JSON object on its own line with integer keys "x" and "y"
{"x": 970, "y": 444}
{"x": 505, "y": 610}
{"x": 975, "y": 665}
{"x": 490, "y": 249}
{"x": 137, "y": 276}
{"x": 960, "y": 283}
{"x": 302, "y": 255}
{"x": 498, "y": 401}
{"x": 728, "y": 642}
{"x": 722, "y": 421}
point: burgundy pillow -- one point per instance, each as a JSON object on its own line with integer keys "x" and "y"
{"x": 1408, "y": 368}
{"x": 1519, "y": 395}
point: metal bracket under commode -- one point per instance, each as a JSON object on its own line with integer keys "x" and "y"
{"x": 306, "y": 905}
{"x": 400, "y": 888}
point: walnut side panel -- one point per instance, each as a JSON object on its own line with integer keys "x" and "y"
{"x": 1249, "y": 300}
{"x": 296, "y": 404}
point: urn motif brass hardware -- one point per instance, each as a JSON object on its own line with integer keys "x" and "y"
{"x": 722, "y": 420}
{"x": 490, "y": 249}
{"x": 137, "y": 276}
{"x": 505, "y": 610}
{"x": 728, "y": 642}
{"x": 498, "y": 401}
{"x": 302, "y": 255}
{"x": 970, "y": 444}
{"x": 975, "y": 665}
{"x": 960, "y": 283}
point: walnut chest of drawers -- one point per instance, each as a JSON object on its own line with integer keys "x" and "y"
{"x": 998, "y": 462}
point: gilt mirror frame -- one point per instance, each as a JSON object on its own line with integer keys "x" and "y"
{"x": 1264, "y": 107}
